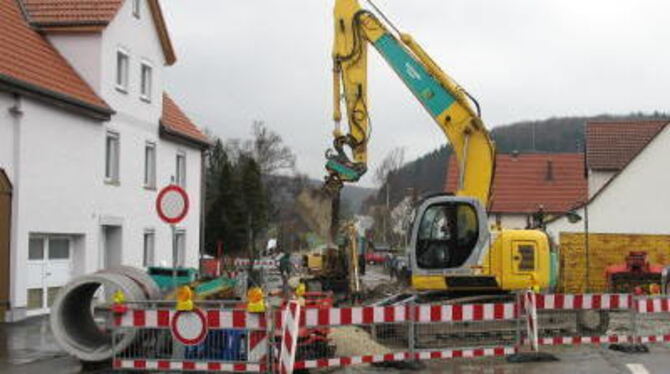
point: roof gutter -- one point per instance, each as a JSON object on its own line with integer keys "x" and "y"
{"x": 101, "y": 113}
{"x": 180, "y": 137}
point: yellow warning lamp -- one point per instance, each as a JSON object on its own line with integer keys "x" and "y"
{"x": 654, "y": 289}
{"x": 255, "y": 300}
{"x": 300, "y": 290}
{"x": 119, "y": 300}
{"x": 119, "y": 297}
{"x": 185, "y": 299}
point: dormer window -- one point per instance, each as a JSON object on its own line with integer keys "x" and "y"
{"x": 146, "y": 77}
{"x": 122, "y": 61}
{"x": 136, "y": 8}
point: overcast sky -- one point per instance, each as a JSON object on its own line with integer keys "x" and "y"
{"x": 246, "y": 60}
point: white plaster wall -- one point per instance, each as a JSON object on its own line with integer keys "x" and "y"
{"x": 636, "y": 202}
{"x": 57, "y": 192}
{"x": 134, "y": 205}
{"x": 509, "y": 220}
{"x": 597, "y": 180}
{"x": 140, "y": 39}
{"x": 83, "y": 52}
{"x": 62, "y": 189}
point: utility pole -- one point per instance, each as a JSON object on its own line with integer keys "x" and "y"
{"x": 388, "y": 212}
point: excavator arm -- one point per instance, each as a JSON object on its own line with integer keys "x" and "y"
{"x": 446, "y": 102}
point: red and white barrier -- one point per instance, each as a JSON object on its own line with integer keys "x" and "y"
{"x": 404, "y": 356}
{"x": 467, "y": 353}
{"x": 294, "y": 318}
{"x": 467, "y": 312}
{"x": 577, "y": 340}
{"x": 289, "y": 341}
{"x": 584, "y": 301}
{"x": 652, "y": 305}
{"x": 313, "y": 317}
{"x": 216, "y": 319}
{"x": 186, "y": 366}
{"x": 530, "y": 308}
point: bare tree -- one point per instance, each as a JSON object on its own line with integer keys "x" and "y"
{"x": 391, "y": 163}
{"x": 269, "y": 150}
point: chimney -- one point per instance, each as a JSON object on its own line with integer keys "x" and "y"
{"x": 550, "y": 171}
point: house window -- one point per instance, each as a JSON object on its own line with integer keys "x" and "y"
{"x": 150, "y": 165}
{"x": 59, "y": 248}
{"x": 146, "y": 82}
{"x": 180, "y": 238}
{"x": 122, "y": 61}
{"x": 112, "y": 158}
{"x": 149, "y": 248}
{"x": 36, "y": 249}
{"x": 180, "y": 173}
{"x": 136, "y": 8}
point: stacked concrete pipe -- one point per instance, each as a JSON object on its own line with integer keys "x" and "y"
{"x": 72, "y": 319}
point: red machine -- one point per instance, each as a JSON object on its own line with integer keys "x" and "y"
{"x": 636, "y": 275}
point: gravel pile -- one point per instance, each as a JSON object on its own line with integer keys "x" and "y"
{"x": 354, "y": 341}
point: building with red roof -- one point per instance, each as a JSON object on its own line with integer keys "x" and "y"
{"x": 87, "y": 137}
{"x": 525, "y": 184}
{"x": 611, "y": 145}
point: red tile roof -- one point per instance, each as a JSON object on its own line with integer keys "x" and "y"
{"x": 42, "y": 12}
{"x": 522, "y": 183}
{"x": 29, "y": 62}
{"x": 611, "y": 145}
{"x": 176, "y": 122}
{"x": 90, "y": 15}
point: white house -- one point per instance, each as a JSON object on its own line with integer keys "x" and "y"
{"x": 634, "y": 200}
{"x": 87, "y": 136}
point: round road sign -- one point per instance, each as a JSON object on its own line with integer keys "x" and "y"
{"x": 172, "y": 204}
{"x": 189, "y": 328}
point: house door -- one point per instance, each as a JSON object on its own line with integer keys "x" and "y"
{"x": 5, "y": 225}
{"x": 49, "y": 269}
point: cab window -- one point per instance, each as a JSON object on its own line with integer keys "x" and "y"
{"x": 447, "y": 235}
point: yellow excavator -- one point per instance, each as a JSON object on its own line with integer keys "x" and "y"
{"x": 450, "y": 246}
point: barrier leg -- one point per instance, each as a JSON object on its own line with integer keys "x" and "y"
{"x": 529, "y": 308}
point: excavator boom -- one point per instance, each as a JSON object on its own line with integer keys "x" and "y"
{"x": 446, "y": 102}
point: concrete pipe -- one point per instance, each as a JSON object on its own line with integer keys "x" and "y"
{"x": 149, "y": 287}
{"x": 73, "y": 315}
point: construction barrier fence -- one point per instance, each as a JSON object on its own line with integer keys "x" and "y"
{"x": 312, "y": 334}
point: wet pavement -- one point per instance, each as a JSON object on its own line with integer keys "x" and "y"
{"x": 28, "y": 347}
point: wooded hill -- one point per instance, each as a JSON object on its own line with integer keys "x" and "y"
{"x": 560, "y": 134}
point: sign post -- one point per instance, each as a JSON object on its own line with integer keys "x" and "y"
{"x": 172, "y": 206}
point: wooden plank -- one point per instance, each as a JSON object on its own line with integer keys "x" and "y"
{"x": 605, "y": 250}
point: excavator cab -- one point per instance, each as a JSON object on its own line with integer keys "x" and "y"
{"x": 448, "y": 236}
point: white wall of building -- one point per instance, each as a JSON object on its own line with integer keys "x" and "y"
{"x": 139, "y": 38}
{"x": 597, "y": 180}
{"x": 508, "y": 220}
{"x": 636, "y": 201}
{"x": 83, "y": 52}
